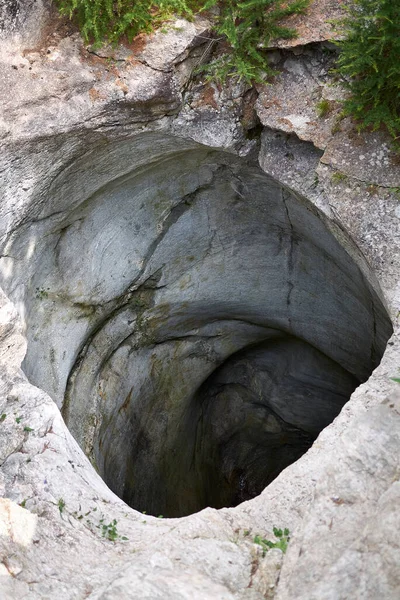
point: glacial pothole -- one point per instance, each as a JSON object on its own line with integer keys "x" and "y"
{"x": 197, "y": 323}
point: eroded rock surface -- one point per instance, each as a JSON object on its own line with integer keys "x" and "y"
{"x": 315, "y": 25}
{"x": 187, "y": 256}
{"x": 23, "y": 21}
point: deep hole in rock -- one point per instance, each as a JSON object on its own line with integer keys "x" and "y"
{"x": 260, "y": 412}
{"x": 198, "y": 323}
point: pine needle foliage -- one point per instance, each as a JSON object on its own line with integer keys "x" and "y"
{"x": 246, "y": 25}
{"x": 249, "y": 26}
{"x": 108, "y": 20}
{"x": 369, "y": 63}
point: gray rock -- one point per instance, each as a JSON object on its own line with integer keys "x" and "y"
{"x": 23, "y": 21}
{"x": 316, "y": 24}
{"x": 142, "y": 247}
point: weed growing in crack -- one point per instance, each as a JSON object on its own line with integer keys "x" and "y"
{"x": 42, "y": 293}
{"x": 282, "y": 540}
{"x": 109, "y": 531}
{"x": 338, "y": 177}
{"x": 323, "y": 108}
{"x": 315, "y": 182}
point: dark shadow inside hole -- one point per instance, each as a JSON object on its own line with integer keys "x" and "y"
{"x": 256, "y": 414}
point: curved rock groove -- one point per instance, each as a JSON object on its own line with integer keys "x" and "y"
{"x": 198, "y": 323}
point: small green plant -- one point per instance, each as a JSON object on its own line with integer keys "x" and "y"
{"x": 109, "y": 531}
{"x": 282, "y": 540}
{"x": 23, "y": 503}
{"x": 323, "y": 107}
{"x": 396, "y": 379}
{"x": 3, "y": 417}
{"x": 336, "y": 127}
{"x": 369, "y": 64}
{"x": 18, "y": 419}
{"x": 28, "y": 429}
{"x": 61, "y": 505}
{"x": 315, "y": 182}
{"x": 42, "y": 293}
{"x": 338, "y": 177}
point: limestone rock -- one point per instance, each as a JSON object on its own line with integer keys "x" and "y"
{"x": 134, "y": 249}
{"x": 349, "y": 533}
{"x": 315, "y": 25}
{"x": 292, "y": 103}
{"x": 352, "y": 177}
{"x": 23, "y": 21}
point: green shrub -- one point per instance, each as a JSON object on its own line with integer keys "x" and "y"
{"x": 248, "y": 26}
{"x": 369, "y": 62}
{"x": 108, "y": 20}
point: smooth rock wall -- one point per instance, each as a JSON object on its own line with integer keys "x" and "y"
{"x": 148, "y": 263}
